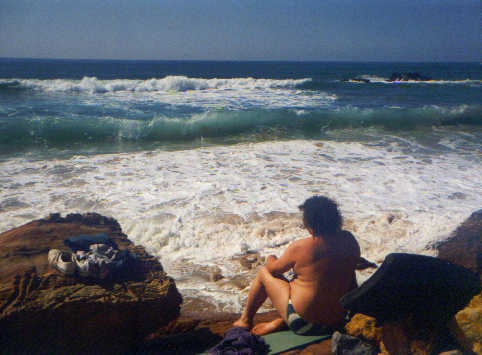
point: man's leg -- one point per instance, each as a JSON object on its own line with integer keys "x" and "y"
{"x": 265, "y": 285}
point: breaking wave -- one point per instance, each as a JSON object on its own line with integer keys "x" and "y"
{"x": 224, "y": 126}
{"x": 168, "y": 84}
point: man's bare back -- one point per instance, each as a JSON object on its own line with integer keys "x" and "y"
{"x": 325, "y": 269}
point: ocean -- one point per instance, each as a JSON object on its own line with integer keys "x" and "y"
{"x": 204, "y": 161}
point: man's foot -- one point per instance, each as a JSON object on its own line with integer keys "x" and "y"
{"x": 241, "y": 323}
{"x": 269, "y": 327}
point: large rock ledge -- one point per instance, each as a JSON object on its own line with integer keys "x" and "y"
{"x": 464, "y": 246}
{"x": 43, "y": 311}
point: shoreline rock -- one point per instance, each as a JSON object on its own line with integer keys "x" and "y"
{"x": 464, "y": 245}
{"x": 44, "y": 311}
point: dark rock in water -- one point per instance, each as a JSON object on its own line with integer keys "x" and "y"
{"x": 358, "y": 79}
{"x": 464, "y": 246}
{"x": 408, "y": 77}
{"x": 44, "y": 311}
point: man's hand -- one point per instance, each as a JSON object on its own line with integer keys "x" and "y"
{"x": 271, "y": 258}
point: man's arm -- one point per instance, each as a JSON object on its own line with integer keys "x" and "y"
{"x": 278, "y": 266}
{"x": 363, "y": 264}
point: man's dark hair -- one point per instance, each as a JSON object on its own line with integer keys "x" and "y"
{"x": 321, "y": 215}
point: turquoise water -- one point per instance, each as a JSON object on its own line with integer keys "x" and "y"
{"x": 52, "y": 108}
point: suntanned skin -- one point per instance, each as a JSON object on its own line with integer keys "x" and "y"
{"x": 325, "y": 268}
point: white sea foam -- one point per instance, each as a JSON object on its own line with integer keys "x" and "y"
{"x": 178, "y": 91}
{"x": 201, "y": 207}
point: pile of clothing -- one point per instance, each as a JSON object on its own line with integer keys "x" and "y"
{"x": 93, "y": 256}
{"x": 240, "y": 341}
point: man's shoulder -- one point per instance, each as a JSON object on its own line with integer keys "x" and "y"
{"x": 349, "y": 241}
{"x": 301, "y": 242}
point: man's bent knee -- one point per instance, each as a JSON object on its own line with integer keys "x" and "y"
{"x": 263, "y": 273}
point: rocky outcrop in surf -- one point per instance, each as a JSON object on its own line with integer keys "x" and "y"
{"x": 408, "y": 77}
{"x": 44, "y": 311}
{"x": 411, "y": 76}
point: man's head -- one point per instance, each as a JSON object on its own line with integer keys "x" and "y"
{"x": 321, "y": 215}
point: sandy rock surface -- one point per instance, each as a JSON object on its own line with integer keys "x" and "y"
{"x": 44, "y": 311}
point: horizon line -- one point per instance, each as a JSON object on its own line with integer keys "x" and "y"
{"x": 237, "y": 60}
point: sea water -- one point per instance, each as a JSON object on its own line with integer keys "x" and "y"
{"x": 201, "y": 162}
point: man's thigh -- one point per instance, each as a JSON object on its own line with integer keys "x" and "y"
{"x": 278, "y": 291}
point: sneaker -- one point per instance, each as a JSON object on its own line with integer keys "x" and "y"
{"x": 81, "y": 261}
{"x": 62, "y": 261}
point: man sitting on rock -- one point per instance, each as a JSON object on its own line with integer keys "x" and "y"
{"x": 324, "y": 264}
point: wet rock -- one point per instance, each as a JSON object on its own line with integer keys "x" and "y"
{"x": 250, "y": 260}
{"x": 408, "y": 77}
{"x": 44, "y": 311}
{"x": 464, "y": 246}
{"x": 467, "y": 326}
{"x": 215, "y": 276}
{"x": 400, "y": 337}
{"x": 11, "y": 204}
{"x": 364, "y": 327}
{"x": 343, "y": 344}
{"x": 457, "y": 196}
{"x": 208, "y": 273}
{"x": 239, "y": 281}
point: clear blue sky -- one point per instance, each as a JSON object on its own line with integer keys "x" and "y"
{"x": 359, "y": 30}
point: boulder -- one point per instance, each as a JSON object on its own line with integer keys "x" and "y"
{"x": 464, "y": 246}
{"x": 408, "y": 77}
{"x": 44, "y": 311}
{"x": 467, "y": 326}
{"x": 343, "y": 344}
{"x": 364, "y": 327}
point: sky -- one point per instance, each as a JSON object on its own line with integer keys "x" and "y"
{"x": 300, "y": 30}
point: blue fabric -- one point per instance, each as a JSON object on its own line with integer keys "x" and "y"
{"x": 240, "y": 341}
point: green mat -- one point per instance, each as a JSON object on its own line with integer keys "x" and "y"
{"x": 286, "y": 340}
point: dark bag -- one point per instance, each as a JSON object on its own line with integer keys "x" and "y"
{"x": 430, "y": 289}
{"x": 84, "y": 241}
